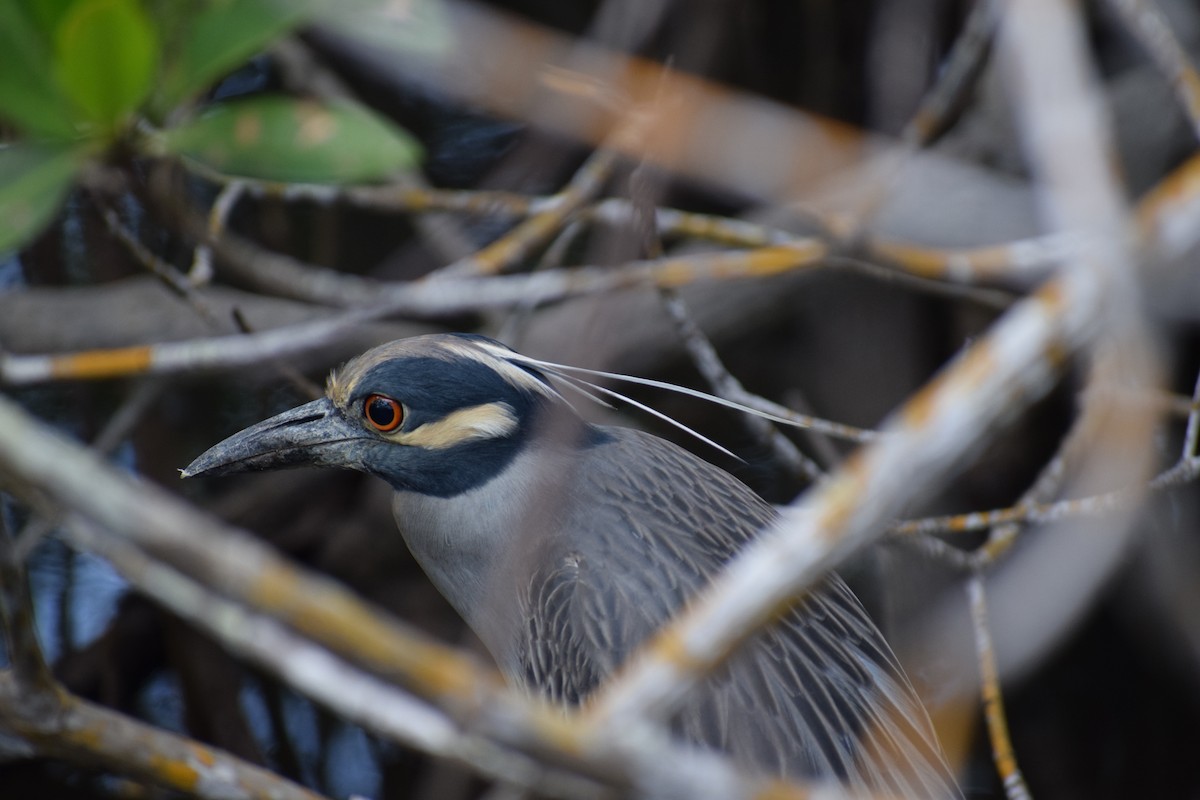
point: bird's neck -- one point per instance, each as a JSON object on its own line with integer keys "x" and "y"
{"x": 469, "y": 544}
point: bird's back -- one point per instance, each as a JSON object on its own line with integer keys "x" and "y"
{"x": 817, "y": 695}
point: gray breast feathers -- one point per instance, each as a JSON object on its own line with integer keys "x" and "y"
{"x": 818, "y": 695}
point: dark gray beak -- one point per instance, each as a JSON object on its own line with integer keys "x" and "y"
{"x": 315, "y": 433}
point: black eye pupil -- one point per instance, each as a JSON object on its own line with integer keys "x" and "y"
{"x": 382, "y": 412}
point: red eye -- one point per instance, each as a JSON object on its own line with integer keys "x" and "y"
{"x": 384, "y": 413}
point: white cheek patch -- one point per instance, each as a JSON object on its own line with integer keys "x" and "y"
{"x": 487, "y": 421}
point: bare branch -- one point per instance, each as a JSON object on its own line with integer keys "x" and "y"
{"x": 1152, "y": 29}
{"x": 993, "y": 700}
{"x": 59, "y": 725}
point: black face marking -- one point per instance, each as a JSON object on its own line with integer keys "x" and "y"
{"x": 430, "y": 388}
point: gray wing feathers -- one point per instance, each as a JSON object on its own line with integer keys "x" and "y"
{"x": 817, "y": 695}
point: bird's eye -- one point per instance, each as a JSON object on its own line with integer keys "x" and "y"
{"x": 384, "y": 413}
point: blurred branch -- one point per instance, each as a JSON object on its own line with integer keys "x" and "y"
{"x": 59, "y": 725}
{"x": 993, "y": 699}
{"x": 201, "y": 271}
{"x": 219, "y": 352}
{"x": 519, "y": 243}
{"x": 28, "y": 664}
{"x": 928, "y": 436}
{"x": 705, "y": 357}
{"x": 1165, "y": 216}
{"x": 165, "y": 271}
{"x": 1018, "y": 262}
{"x": 534, "y": 86}
{"x": 954, "y": 81}
{"x": 944, "y": 422}
{"x": 316, "y": 671}
{"x": 289, "y": 277}
{"x": 956, "y": 77}
{"x": 1146, "y": 22}
{"x": 1169, "y": 214}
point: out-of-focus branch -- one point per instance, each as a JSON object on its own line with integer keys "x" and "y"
{"x": 219, "y": 352}
{"x": 540, "y": 227}
{"x": 288, "y": 277}
{"x": 163, "y": 270}
{"x": 954, "y": 80}
{"x": 58, "y": 725}
{"x": 956, "y": 76}
{"x": 705, "y": 357}
{"x": 19, "y": 630}
{"x": 939, "y": 427}
{"x": 746, "y": 145}
{"x": 1146, "y": 22}
{"x": 201, "y": 270}
{"x": 928, "y": 436}
{"x": 993, "y": 699}
{"x": 320, "y": 674}
{"x": 1019, "y": 263}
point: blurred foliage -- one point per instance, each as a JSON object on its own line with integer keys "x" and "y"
{"x": 84, "y": 78}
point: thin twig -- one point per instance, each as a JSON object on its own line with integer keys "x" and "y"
{"x": 554, "y": 258}
{"x": 1191, "y": 435}
{"x": 289, "y": 277}
{"x": 17, "y": 618}
{"x": 1020, "y": 262}
{"x": 536, "y": 230}
{"x": 724, "y": 384}
{"x": 1152, "y": 29}
{"x": 305, "y": 74}
{"x": 175, "y": 280}
{"x": 956, "y": 76}
{"x": 201, "y": 271}
{"x": 993, "y": 299}
{"x": 993, "y": 699}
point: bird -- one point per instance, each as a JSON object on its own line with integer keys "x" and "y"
{"x": 565, "y": 544}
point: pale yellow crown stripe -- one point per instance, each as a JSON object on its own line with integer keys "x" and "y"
{"x": 487, "y": 421}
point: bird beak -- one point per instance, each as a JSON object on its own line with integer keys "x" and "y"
{"x": 315, "y": 433}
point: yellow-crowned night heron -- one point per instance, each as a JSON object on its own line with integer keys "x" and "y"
{"x": 564, "y": 549}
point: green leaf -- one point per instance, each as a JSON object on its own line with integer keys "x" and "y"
{"x": 297, "y": 141}
{"x": 107, "y": 54}
{"x": 221, "y": 37}
{"x": 47, "y": 14}
{"x": 29, "y": 98}
{"x": 34, "y": 178}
